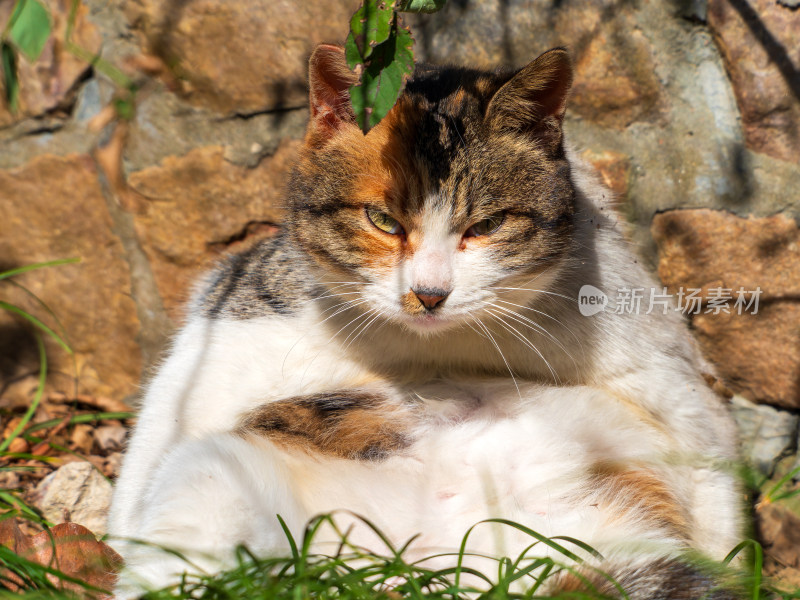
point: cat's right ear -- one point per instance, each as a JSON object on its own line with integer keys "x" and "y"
{"x": 329, "y": 81}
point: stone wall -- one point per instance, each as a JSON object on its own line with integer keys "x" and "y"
{"x": 689, "y": 109}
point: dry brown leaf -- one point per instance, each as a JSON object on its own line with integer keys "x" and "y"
{"x": 75, "y": 551}
{"x": 12, "y": 538}
{"x": 82, "y": 439}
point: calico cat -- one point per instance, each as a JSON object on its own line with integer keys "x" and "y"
{"x": 410, "y": 348}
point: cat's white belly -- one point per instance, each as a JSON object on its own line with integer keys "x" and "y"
{"x": 529, "y": 466}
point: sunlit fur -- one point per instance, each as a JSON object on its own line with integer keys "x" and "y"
{"x": 311, "y": 375}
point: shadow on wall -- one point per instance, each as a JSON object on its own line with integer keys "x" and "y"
{"x": 774, "y": 49}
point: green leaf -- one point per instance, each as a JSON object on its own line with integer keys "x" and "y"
{"x": 9, "y": 61}
{"x": 383, "y": 77}
{"x": 30, "y": 28}
{"x": 371, "y": 25}
{"x": 421, "y": 6}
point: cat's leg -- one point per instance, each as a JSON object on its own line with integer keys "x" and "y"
{"x": 209, "y": 496}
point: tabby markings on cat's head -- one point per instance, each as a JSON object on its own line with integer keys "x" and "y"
{"x": 462, "y": 189}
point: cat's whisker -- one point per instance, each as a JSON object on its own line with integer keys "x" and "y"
{"x": 366, "y": 316}
{"x": 534, "y": 290}
{"x": 531, "y": 324}
{"x": 544, "y": 314}
{"x": 363, "y": 328}
{"x": 345, "y": 306}
{"x": 515, "y": 332}
{"x": 500, "y": 352}
{"x": 337, "y": 295}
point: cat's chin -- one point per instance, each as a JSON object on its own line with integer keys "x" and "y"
{"x": 428, "y": 324}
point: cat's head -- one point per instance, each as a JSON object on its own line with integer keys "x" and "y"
{"x": 459, "y": 194}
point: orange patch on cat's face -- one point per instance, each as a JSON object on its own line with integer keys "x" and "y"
{"x": 380, "y": 182}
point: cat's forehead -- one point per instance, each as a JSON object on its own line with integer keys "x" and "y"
{"x": 438, "y": 122}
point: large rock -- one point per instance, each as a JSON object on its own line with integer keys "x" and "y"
{"x": 756, "y": 353}
{"x": 200, "y": 206}
{"x": 760, "y": 42}
{"x": 240, "y": 57}
{"x": 49, "y": 84}
{"x": 53, "y": 208}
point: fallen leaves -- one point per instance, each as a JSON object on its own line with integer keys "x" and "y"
{"x": 68, "y": 548}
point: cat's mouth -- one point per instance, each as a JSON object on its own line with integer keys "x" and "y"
{"x": 426, "y": 323}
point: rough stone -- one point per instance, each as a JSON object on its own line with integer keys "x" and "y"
{"x": 200, "y": 206}
{"x": 766, "y": 434}
{"x": 760, "y": 42}
{"x": 240, "y": 57}
{"x": 166, "y": 126}
{"x": 53, "y": 209}
{"x": 614, "y": 169}
{"x": 615, "y": 80}
{"x": 48, "y": 85}
{"x": 757, "y": 353}
{"x": 78, "y": 491}
{"x": 779, "y": 532}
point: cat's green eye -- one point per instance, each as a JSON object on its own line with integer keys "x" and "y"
{"x": 384, "y": 222}
{"x": 486, "y": 226}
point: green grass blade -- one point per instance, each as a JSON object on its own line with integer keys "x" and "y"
{"x": 77, "y": 419}
{"x": 36, "y": 399}
{"x": 44, "y": 307}
{"x": 538, "y": 536}
{"x": 289, "y": 538}
{"x": 37, "y": 323}
{"x": 34, "y": 266}
{"x": 773, "y": 496}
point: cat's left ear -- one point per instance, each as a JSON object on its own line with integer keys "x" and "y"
{"x": 329, "y": 81}
{"x": 534, "y": 100}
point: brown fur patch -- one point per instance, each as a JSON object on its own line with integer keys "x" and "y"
{"x": 662, "y": 578}
{"x": 411, "y": 304}
{"x": 640, "y": 492}
{"x": 352, "y": 424}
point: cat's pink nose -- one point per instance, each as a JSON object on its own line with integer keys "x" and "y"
{"x": 430, "y": 297}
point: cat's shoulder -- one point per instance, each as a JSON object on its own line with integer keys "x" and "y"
{"x": 268, "y": 279}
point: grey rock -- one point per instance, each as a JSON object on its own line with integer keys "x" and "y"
{"x": 165, "y": 126}
{"x": 78, "y": 491}
{"x": 767, "y": 434}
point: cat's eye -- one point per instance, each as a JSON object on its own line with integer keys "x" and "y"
{"x": 485, "y": 226}
{"x": 384, "y": 222}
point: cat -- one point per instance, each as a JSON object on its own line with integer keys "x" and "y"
{"x": 410, "y": 348}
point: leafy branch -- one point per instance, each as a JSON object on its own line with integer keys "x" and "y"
{"x": 380, "y": 50}
{"x": 27, "y": 32}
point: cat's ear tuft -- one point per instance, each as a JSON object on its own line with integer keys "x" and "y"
{"x": 329, "y": 81}
{"x": 535, "y": 98}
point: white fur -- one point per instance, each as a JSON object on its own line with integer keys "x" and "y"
{"x": 494, "y": 444}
